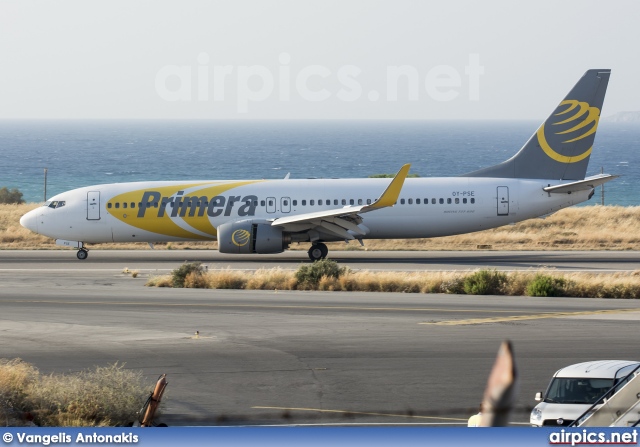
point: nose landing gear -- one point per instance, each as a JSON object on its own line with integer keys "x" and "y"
{"x": 82, "y": 251}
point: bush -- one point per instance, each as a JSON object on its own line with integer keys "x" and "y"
{"x": 109, "y": 395}
{"x": 311, "y": 274}
{"x": 10, "y": 196}
{"x": 196, "y": 280}
{"x": 179, "y": 275}
{"x": 545, "y": 285}
{"x": 15, "y": 377}
{"x": 484, "y": 282}
{"x": 451, "y": 286}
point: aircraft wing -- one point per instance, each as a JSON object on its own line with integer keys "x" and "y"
{"x": 342, "y": 220}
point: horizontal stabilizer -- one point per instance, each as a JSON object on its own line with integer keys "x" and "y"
{"x": 582, "y": 185}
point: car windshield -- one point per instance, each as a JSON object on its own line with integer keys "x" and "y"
{"x": 577, "y": 391}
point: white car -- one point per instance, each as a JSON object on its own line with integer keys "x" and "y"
{"x": 575, "y": 388}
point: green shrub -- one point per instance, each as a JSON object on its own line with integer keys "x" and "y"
{"x": 311, "y": 274}
{"x": 484, "y": 282}
{"x": 178, "y": 275}
{"x": 10, "y": 196}
{"x": 545, "y": 285}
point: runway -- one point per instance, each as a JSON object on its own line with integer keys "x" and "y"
{"x": 266, "y": 357}
{"x": 166, "y": 260}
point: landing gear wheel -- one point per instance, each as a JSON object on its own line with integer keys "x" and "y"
{"x": 318, "y": 251}
{"x": 325, "y": 250}
{"x": 82, "y": 254}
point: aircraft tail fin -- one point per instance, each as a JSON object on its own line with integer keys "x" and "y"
{"x": 561, "y": 147}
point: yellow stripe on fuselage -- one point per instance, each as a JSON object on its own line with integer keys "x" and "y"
{"x": 192, "y": 204}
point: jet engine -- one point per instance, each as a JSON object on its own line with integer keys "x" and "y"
{"x": 251, "y": 236}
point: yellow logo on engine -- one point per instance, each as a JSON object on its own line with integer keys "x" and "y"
{"x": 586, "y": 122}
{"x": 240, "y": 237}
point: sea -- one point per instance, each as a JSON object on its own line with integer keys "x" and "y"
{"x": 84, "y": 152}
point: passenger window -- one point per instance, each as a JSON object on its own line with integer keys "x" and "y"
{"x": 464, "y": 200}
{"x": 109, "y": 205}
{"x": 263, "y": 203}
{"x": 133, "y": 204}
{"x": 344, "y": 201}
{"x": 433, "y": 201}
{"x": 457, "y": 200}
{"x": 410, "y": 201}
{"x": 124, "y": 205}
{"x": 359, "y": 201}
{"x": 285, "y": 203}
{"x": 255, "y": 203}
{"x": 473, "y": 200}
{"x": 320, "y": 202}
{"x": 117, "y": 205}
{"x": 304, "y": 203}
{"x": 351, "y": 202}
{"x": 417, "y": 201}
{"x": 270, "y": 202}
{"x": 449, "y": 201}
{"x": 426, "y": 201}
{"x": 312, "y": 202}
{"x": 295, "y": 203}
{"x": 368, "y": 201}
{"x": 441, "y": 201}
{"x": 401, "y": 201}
{"x": 335, "y": 201}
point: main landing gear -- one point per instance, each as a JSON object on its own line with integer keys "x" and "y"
{"x": 318, "y": 251}
{"x": 82, "y": 254}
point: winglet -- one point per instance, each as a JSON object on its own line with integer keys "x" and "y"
{"x": 390, "y": 195}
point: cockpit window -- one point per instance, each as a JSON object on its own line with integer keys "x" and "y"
{"x": 55, "y": 203}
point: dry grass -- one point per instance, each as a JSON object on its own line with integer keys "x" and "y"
{"x": 586, "y": 285}
{"x": 585, "y": 228}
{"x": 100, "y": 397}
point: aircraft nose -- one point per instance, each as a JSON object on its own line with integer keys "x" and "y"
{"x": 30, "y": 221}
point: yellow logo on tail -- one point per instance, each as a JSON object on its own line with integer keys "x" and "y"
{"x": 585, "y": 116}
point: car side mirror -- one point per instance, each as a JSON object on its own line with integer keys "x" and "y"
{"x": 538, "y": 397}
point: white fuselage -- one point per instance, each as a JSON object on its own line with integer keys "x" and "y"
{"x": 116, "y": 212}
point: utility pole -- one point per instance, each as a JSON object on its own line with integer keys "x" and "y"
{"x": 45, "y": 184}
{"x": 602, "y": 188}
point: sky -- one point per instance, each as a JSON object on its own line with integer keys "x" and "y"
{"x": 400, "y": 59}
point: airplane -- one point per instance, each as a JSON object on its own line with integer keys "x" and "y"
{"x": 266, "y": 216}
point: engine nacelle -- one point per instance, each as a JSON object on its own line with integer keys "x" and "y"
{"x": 251, "y": 236}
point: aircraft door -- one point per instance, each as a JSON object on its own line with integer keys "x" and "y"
{"x": 285, "y": 204}
{"x": 271, "y": 204}
{"x": 503, "y": 200}
{"x": 93, "y": 205}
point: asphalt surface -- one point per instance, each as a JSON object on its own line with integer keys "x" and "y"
{"x": 165, "y": 260}
{"x": 265, "y": 357}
